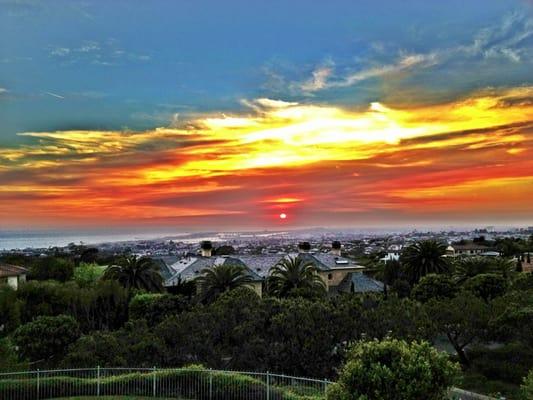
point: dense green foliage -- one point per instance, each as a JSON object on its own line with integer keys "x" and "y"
{"x": 434, "y": 286}
{"x": 469, "y": 267}
{"x": 87, "y": 275}
{"x": 293, "y": 274}
{"x": 46, "y": 337}
{"x": 59, "y": 269}
{"x": 136, "y": 273}
{"x": 479, "y": 309}
{"x": 422, "y": 258}
{"x": 155, "y": 307}
{"x": 486, "y": 286}
{"x": 394, "y": 369}
{"x": 527, "y": 387}
{"x": 9, "y": 360}
{"x": 221, "y": 278}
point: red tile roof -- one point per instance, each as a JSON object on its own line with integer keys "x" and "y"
{"x": 11, "y": 270}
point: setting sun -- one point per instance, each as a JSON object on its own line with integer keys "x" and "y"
{"x": 283, "y": 216}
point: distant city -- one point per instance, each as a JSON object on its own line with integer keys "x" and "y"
{"x": 366, "y": 241}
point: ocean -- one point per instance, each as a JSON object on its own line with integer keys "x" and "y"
{"x": 10, "y": 240}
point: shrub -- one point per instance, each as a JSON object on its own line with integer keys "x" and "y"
{"x": 434, "y": 286}
{"x": 46, "y": 336}
{"x": 8, "y": 357}
{"x": 100, "y": 348}
{"x": 394, "y": 369}
{"x": 86, "y": 275}
{"x": 486, "y": 286}
{"x": 527, "y": 386}
{"x": 156, "y": 307}
{"x": 56, "y": 268}
{"x": 9, "y": 310}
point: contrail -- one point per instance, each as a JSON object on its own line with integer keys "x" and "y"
{"x": 54, "y": 95}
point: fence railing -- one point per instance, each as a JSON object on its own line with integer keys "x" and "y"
{"x": 180, "y": 383}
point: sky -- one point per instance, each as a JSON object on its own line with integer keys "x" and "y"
{"x": 221, "y": 115}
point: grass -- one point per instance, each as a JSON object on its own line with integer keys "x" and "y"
{"x": 116, "y": 398}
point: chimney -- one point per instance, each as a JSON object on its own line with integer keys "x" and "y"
{"x": 336, "y": 248}
{"x": 304, "y": 247}
{"x": 206, "y": 247}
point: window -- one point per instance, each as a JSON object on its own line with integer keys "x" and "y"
{"x": 330, "y": 277}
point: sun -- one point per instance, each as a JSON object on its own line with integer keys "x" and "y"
{"x": 283, "y": 216}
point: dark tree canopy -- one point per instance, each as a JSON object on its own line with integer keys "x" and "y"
{"x": 136, "y": 273}
{"x": 422, "y": 258}
{"x": 291, "y": 274}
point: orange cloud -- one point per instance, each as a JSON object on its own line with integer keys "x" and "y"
{"x": 330, "y": 165}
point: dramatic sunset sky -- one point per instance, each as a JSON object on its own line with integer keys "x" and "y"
{"x": 227, "y": 114}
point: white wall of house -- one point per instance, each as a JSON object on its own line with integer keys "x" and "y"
{"x": 13, "y": 282}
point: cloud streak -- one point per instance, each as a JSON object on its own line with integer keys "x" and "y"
{"x": 318, "y": 163}
{"x": 510, "y": 41}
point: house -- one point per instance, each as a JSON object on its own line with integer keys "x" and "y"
{"x": 467, "y": 249}
{"x": 12, "y": 275}
{"x": 334, "y": 269}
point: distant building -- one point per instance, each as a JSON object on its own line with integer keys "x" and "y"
{"x": 338, "y": 273}
{"x": 12, "y": 275}
{"x": 469, "y": 249}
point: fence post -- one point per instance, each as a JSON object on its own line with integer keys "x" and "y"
{"x": 210, "y": 383}
{"x": 268, "y": 385}
{"x": 98, "y": 381}
{"x": 154, "y": 384}
{"x": 38, "y": 383}
{"x": 325, "y": 386}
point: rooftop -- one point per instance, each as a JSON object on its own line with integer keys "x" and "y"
{"x": 11, "y": 270}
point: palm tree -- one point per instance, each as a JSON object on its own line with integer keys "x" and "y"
{"x": 467, "y": 267}
{"x": 136, "y": 273}
{"x": 424, "y": 257}
{"x": 293, "y": 273}
{"x": 220, "y": 279}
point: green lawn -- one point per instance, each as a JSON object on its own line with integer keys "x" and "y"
{"x": 116, "y": 398}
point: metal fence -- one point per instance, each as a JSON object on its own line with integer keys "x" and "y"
{"x": 178, "y": 383}
{"x": 181, "y": 383}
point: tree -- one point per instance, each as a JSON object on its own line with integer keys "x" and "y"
{"x": 221, "y": 278}
{"x": 506, "y": 267}
{"x": 57, "y": 268}
{"x": 155, "y": 307}
{"x": 509, "y": 247}
{"x": 422, "y": 258}
{"x": 302, "y": 338}
{"x": 486, "y": 286}
{"x": 434, "y": 286}
{"x": 8, "y": 357}
{"x": 136, "y": 273}
{"x": 46, "y": 337}
{"x": 527, "y": 386}
{"x": 86, "y": 275}
{"x": 183, "y": 287}
{"x": 99, "y": 348}
{"x": 293, "y": 273}
{"x": 462, "y": 319}
{"x": 224, "y": 250}
{"x": 9, "y": 310}
{"x": 394, "y": 369}
{"x": 468, "y": 267}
